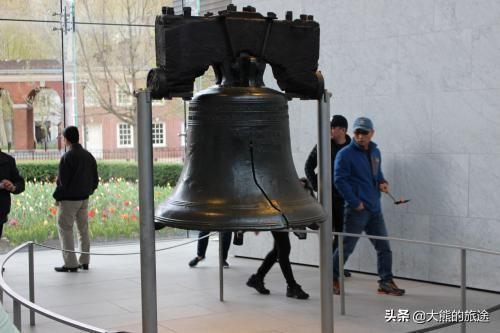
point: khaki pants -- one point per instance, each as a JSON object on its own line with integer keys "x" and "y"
{"x": 69, "y": 212}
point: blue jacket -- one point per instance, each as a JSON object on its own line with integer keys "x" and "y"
{"x": 356, "y": 178}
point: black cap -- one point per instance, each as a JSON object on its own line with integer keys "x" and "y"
{"x": 338, "y": 121}
{"x": 71, "y": 134}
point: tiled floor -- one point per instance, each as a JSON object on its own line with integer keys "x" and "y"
{"x": 109, "y": 296}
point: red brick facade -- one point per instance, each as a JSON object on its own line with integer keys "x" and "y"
{"x": 22, "y": 88}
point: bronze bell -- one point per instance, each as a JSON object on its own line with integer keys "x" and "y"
{"x": 239, "y": 173}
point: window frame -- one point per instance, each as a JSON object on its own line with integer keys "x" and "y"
{"x": 118, "y": 142}
{"x": 164, "y": 134}
{"x": 118, "y": 92}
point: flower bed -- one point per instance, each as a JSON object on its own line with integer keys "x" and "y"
{"x": 113, "y": 212}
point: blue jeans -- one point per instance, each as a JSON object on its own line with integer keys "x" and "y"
{"x": 355, "y": 222}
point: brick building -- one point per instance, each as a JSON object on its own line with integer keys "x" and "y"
{"x": 103, "y": 133}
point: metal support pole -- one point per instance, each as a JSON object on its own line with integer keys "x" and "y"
{"x": 221, "y": 271}
{"x": 146, "y": 209}
{"x": 463, "y": 287}
{"x": 325, "y": 198}
{"x": 31, "y": 273}
{"x": 341, "y": 274}
{"x": 17, "y": 314}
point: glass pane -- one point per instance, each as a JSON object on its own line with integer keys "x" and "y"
{"x": 30, "y": 9}
{"x": 142, "y": 12}
{"x": 31, "y": 116}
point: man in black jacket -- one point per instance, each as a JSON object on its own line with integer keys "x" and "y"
{"x": 76, "y": 181}
{"x": 340, "y": 139}
{"x": 10, "y": 182}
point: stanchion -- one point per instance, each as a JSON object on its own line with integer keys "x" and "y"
{"x": 341, "y": 274}
{"x": 463, "y": 287}
{"x": 146, "y": 210}
{"x": 31, "y": 273}
{"x": 325, "y": 198}
{"x": 221, "y": 270}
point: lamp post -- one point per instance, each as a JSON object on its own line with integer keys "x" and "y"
{"x": 84, "y": 85}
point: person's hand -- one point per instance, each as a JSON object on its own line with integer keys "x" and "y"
{"x": 8, "y": 185}
{"x": 384, "y": 187}
{"x": 360, "y": 207}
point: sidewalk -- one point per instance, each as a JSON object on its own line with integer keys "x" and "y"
{"x": 109, "y": 296}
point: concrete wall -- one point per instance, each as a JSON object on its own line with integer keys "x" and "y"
{"x": 428, "y": 74}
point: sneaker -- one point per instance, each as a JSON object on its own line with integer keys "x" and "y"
{"x": 84, "y": 267}
{"x": 255, "y": 282}
{"x": 195, "y": 261}
{"x": 296, "y": 292}
{"x": 336, "y": 287}
{"x": 225, "y": 264}
{"x": 389, "y": 288}
{"x": 347, "y": 273}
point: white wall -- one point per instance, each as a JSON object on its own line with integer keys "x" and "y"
{"x": 428, "y": 74}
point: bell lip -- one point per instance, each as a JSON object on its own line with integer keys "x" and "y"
{"x": 275, "y": 224}
{"x": 209, "y": 226}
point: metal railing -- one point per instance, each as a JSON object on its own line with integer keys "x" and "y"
{"x": 19, "y": 301}
{"x": 463, "y": 270}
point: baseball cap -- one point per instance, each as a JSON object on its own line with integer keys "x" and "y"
{"x": 363, "y": 123}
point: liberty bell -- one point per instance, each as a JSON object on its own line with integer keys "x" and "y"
{"x": 238, "y": 173}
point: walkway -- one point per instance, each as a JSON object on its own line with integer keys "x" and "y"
{"x": 108, "y": 296}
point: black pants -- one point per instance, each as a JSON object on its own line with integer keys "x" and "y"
{"x": 203, "y": 243}
{"x": 1, "y": 229}
{"x": 280, "y": 251}
{"x": 338, "y": 218}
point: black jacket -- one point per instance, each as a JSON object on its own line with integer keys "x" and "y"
{"x": 8, "y": 170}
{"x": 312, "y": 162}
{"x": 77, "y": 178}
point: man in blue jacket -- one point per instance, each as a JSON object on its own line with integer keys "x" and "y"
{"x": 359, "y": 178}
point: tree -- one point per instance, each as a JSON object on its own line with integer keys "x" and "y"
{"x": 116, "y": 57}
{"x": 5, "y": 118}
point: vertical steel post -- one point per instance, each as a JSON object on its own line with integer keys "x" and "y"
{"x": 463, "y": 287}
{"x": 221, "y": 271}
{"x": 146, "y": 209}
{"x": 341, "y": 275}
{"x": 31, "y": 273}
{"x": 325, "y": 198}
{"x": 17, "y": 314}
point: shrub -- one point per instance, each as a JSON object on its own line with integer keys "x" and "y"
{"x": 163, "y": 173}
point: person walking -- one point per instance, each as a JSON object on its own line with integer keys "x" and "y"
{"x": 280, "y": 253}
{"x": 339, "y": 139}
{"x": 203, "y": 244}
{"x": 359, "y": 178}
{"x": 11, "y": 182}
{"x": 76, "y": 181}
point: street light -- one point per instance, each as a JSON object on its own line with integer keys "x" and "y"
{"x": 84, "y": 85}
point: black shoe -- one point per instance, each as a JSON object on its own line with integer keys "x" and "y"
{"x": 255, "y": 282}
{"x": 347, "y": 273}
{"x": 225, "y": 264}
{"x": 389, "y": 288}
{"x": 195, "y": 261}
{"x": 84, "y": 267}
{"x": 66, "y": 269}
{"x": 296, "y": 292}
{"x": 159, "y": 226}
